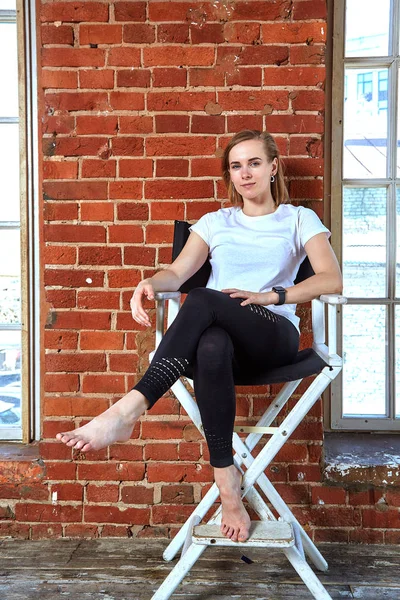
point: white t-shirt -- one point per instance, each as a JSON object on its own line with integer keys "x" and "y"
{"x": 257, "y": 253}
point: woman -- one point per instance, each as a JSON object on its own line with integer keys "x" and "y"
{"x": 244, "y": 320}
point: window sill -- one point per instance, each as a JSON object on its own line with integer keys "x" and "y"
{"x": 20, "y": 463}
{"x": 361, "y": 460}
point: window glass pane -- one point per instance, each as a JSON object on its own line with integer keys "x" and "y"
{"x": 364, "y": 357}
{"x": 365, "y": 123}
{"x": 10, "y": 287}
{"x": 364, "y": 242}
{"x": 367, "y": 28}
{"x": 9, "y": 70}
{"x": 10, "y": 378}
{"x": 8, "y": 5}
{"x": 9, "y": 172}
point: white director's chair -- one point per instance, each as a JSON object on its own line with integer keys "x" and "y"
{"x": 284, "y": 533}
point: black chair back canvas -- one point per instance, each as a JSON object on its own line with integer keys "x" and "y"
{"x": 199, "y": 279}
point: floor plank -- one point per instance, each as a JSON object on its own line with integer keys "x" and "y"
{"x": 114, "y": 569}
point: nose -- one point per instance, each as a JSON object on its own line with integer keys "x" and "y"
{"x": 246, "y": 173}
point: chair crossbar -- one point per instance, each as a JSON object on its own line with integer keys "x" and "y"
{"x": 255, "y": 429}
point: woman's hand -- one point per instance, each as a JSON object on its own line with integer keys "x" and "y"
{"x": 144, "y": 290}
{"x": 264, "y": 299}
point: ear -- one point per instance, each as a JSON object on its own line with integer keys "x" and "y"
{"x": 274, "y": 166}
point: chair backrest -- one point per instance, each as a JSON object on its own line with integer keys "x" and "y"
{"x": 199, "y": 279}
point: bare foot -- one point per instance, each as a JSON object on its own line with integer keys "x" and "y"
{"x": 113, "y": 425}
{"x": 235, "y": 522}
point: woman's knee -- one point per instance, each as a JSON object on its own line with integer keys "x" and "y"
{"x": 215, "y": 349}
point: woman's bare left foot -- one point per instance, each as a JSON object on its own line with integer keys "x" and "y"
{"x": 113, "y": 425}
{"x": 235, "y": 522}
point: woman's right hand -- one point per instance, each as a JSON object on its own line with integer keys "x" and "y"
{"x": 144, "y": 290}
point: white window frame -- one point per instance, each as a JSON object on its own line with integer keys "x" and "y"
{"x": 391, "y": 182}
{"x": 29, "y": 430}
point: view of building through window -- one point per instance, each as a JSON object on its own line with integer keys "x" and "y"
{"x": 371, "y": 325}
{"x": 10, "y": 263}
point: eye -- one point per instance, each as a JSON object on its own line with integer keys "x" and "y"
{"x": 235, "y": 167}
{"x": 255, "y": 163}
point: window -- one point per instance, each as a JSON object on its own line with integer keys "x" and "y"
{"x": 366, "y": 209}
{"x": 17, "y": 256}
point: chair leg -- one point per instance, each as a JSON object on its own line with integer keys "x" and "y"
{"x": 178, "y": 573}
{"x": 306, "y": 574}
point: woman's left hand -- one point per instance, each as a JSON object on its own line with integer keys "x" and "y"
{"x": 251, "y": 297}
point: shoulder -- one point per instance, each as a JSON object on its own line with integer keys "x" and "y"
{"x": 223, "y": 214}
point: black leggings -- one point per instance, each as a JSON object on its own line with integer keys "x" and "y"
{"x": 217, "y": 339}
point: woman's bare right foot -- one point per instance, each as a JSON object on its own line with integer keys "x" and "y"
{"x": 235, "y": 522}
{"x": 113, "y": 425}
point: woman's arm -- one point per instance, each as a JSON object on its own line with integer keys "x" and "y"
{"x": 327, "y": 278}
{"x": 189, "y": 261}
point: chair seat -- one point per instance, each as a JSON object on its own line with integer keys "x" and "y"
{"x": 266, "y": 534}
{"x": 306, "y": 363}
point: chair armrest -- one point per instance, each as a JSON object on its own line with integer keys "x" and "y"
{"x": 166, "y": 295}
{"x": 333, "y": 299}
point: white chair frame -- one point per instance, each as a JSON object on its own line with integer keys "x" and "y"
{"x": 189, "y": 538}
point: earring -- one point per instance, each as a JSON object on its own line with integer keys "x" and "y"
{"x": 272, "y": 178}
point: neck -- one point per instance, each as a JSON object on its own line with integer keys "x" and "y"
{"x": 252, "y": 208}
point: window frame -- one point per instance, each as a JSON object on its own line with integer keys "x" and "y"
{"x": 25, "y": 18}
{"x": 339, "y": 65}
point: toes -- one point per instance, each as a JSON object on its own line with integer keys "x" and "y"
{"x": 87, "y": 447}
{"x": 79, "y": 444}
{"x": 72, "y": 441}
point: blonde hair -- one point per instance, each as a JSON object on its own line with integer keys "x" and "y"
{"x": 278, "y": 187}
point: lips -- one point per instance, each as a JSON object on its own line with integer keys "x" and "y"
{"x": 248, "y": 185}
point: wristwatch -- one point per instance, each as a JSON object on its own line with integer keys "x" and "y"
{"x": 281, "y": 293}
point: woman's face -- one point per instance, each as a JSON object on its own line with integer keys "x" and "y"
{"x": 250, "y": 170}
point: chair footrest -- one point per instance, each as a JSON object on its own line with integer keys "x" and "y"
{"x": 265, "y": 534}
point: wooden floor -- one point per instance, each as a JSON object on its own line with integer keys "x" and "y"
{"x": 114, "y": 569}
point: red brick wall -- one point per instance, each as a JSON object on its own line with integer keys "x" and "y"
{"x": 138, "y": 101}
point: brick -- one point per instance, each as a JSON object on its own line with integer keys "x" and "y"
{"x": 61, "y": 340}
{"x": 243, "y": 33}
{"x": 137, "y": 494}
{"x": 73, "y": 57}
{"x": 179, "y": 101}
{"x": 176, "y": 33}
{"x": 75, "y": 190}
{"x": 307, "y": 55}
{"x": 99, "y": 255}
{"x": 61, "y": 298}
{"x": 111, "y": 472}
{"x": 124, "y": 57}
{"x": 332, "y": 516}
{"x": 293, "y": 494}
{"x": 14, "y": 530}
{"x": 159, "y": 234}
{"x": 75, "y": 233}
{"x": 162, "y": 430}
{"x": 294, "y": 76}
{"x": 81, "y": 530}
{"x": 97, "y": 211}
{"x": 100, "y": 34}
{"x": 91, "y": 300}
{"x": 209, "y": 33}
{"x": 189, "y": 451}
{"x": 171, "y": 189}
{"x": 328, "y": 495}
{"x": 123, "y": 363}
{"x": 309, "y": 9}
{"x": 103, "y": 384}
{"x": 206, "y": 77}
{"x": 77, "y": 146}
{"x": 132, "y": 211}
{"x": 331, "y": 535}
{"x": 304, "y": 167}
{"x": 125, "y": 234}
{"x": 172, "y": 123}
{"x": 238, "y": 122}
{"x": 253, "y": 100}
{"x": 268, "y": 10}
{"x": 170, "y": 513}
{"x": 309, "y": 100}
{"x": 138, "y": 167}
{"x": 101, "y": 340}
{"x": 380, "y": 519}
{"x": 127, "y": 146}
{"x": 208, "y": 124}
{"x": 60, "y": 471}
{"x": 59, "y": 79}
{"x": 304, "y": 473}
{"x": 75, "y": 362}
{"x": 83, "y": 320}
{"x": 180, "y": 146}
{"x": 139, "y": 255}
{"x": 178, "y": 55}
{"x": 195, "y": 210}
{"x": 294, "y": 123}
{"x": 72, "y": 101}
{"x": 206, "y": 166}
{"x": 74, "y": 11}
{"x": 172, "y": 167}
{"x": 126, "y": 101}
{"x": 67, "y": 491}
{"x": 167, "y": 211}
{"x": 370, "y": 536}
{"x": 228, "y": 56}
{"x": 245, "y": 76}
{"x": 60, "y": 122}
{"x": 48, "y": 513}
{"x": 52, "y": 34}
{"x": 133, "y": 124}
{"x": 60, "y": 170}
{"x": 139, "y": 33}
{"x": 130, "y": 452}
{"x": 126, "y": 190}
{"x": 162, "y": 452}
{"x": 50, "y": 429}
{"x": 130, "y": 11}
{"x": 167, "y": 77}
{"x": 138, "y": 78}
{"x": 306, "y": 146}
{"x": 48, "y": 531}
{"x": 102, "y": 493}
{"x": 96, "y": 79}
{"x": 294, "y": 33}
{"x": 92, "y": 168}
{"x": 306, "y": 189}
{"x": 113, "y": 514}
{"x": 61, "y": 383}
